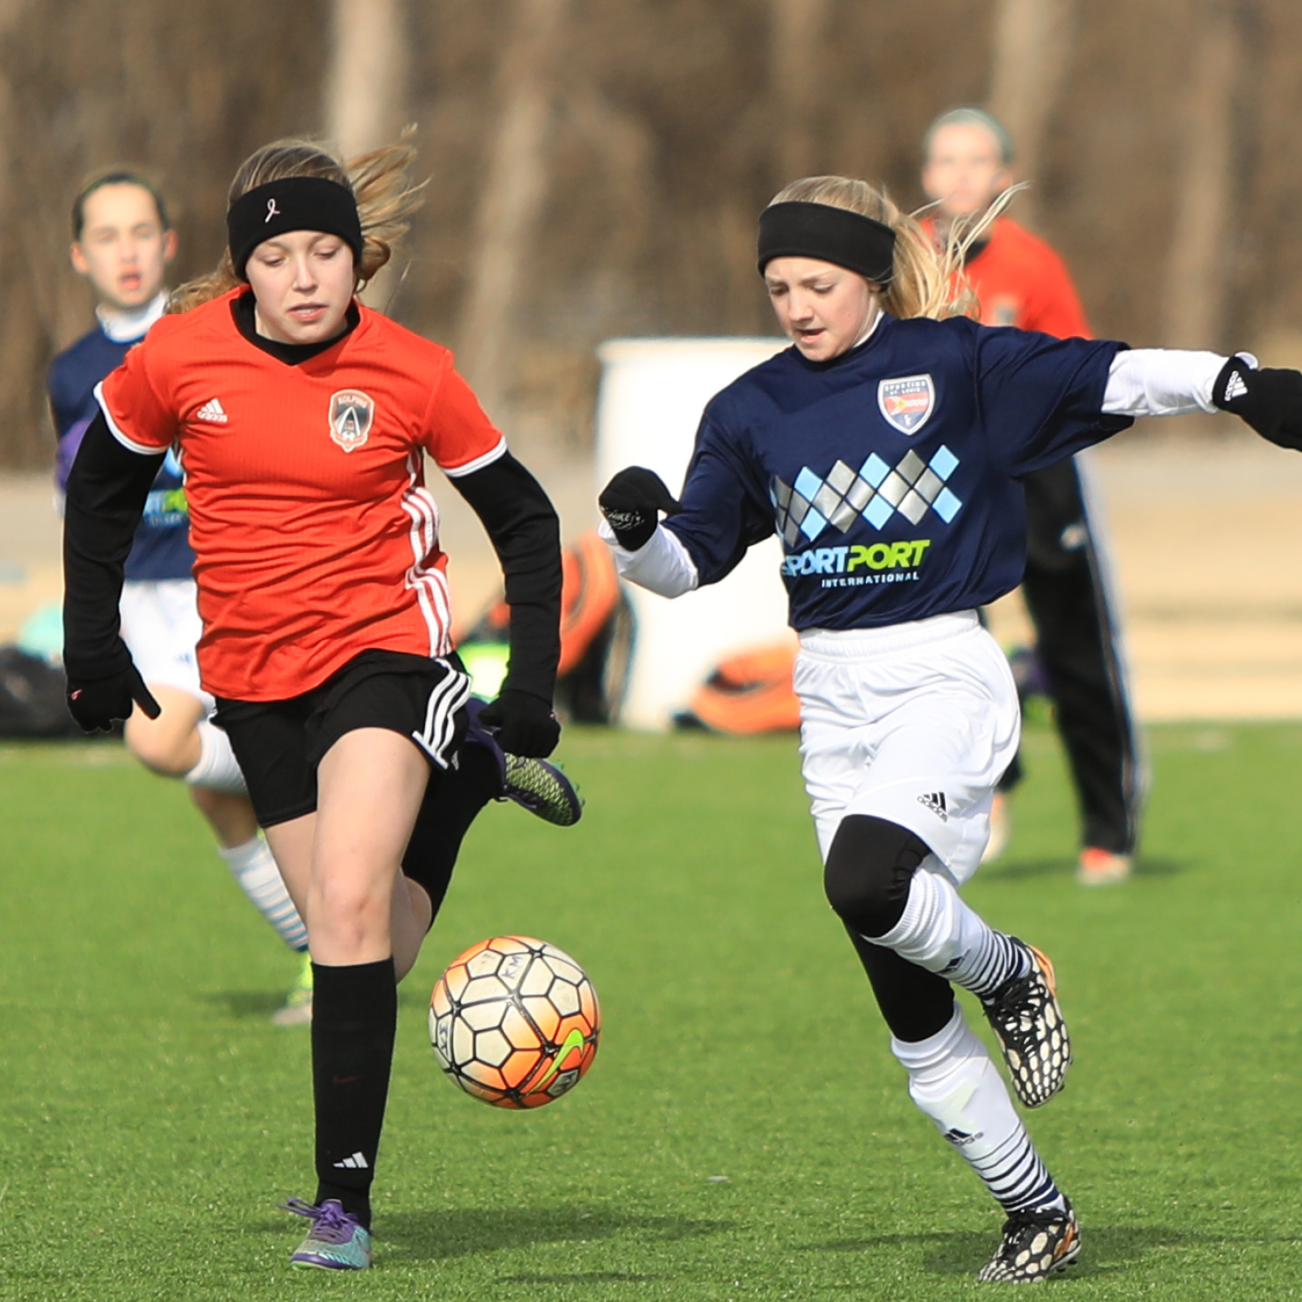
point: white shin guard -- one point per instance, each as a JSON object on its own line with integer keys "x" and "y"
{"x": 953, "y": 1081}
{"x": 217, "y": 768}
{"x": 254, "y": 867}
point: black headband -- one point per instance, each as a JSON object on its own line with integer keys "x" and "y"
{"x": 298, "y": 203}
{"x": 817, "y": 230}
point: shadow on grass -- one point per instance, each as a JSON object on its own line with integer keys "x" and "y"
{"x": 461, "y": 1232}
{"x": 956, "y": 1252}
{"x": 246, "y": 1004}
{"x": 1105, "y": 1247}
{"x": 581, "y": 1277}
{"x": 1017, "y": 869}
{"x": 464, "y": 1232}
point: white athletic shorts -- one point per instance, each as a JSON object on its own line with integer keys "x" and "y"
{"x": 161, "y": 627}
{"x": 914, "y": 724}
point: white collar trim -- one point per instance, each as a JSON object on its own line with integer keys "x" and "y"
{"x": 127, "y": 327}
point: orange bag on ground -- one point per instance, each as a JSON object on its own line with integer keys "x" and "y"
{"x": 596, "y": 633}
{"x": 749, "y": 693}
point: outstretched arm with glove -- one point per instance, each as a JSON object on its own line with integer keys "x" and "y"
{"x": 703, "y": 536}
{"x": 1170, "y": 382}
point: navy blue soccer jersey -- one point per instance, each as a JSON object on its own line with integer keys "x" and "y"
{"x": 161, "y": 549}
{"x": 891, "y": 473}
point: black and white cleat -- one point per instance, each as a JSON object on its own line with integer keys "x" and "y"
{"x": 1026, "y": 1019}
{"x": 1035, "y": 1245}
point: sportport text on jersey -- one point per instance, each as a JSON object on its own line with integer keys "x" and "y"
{"x": 845, "y": 560}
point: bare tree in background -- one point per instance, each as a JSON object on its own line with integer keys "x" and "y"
{"x": 366, "y": 80}
{"x": 1196, "y": 277}
{"x": 796, "y": 44}
{"x": 183, "y": 90}
{"x": 366, "y": 86}
{"x": 510, "y": 202}
{"x": 1029, "y": 59}
{"x": 21, "y": 349}
{"x": 600, "y": 166}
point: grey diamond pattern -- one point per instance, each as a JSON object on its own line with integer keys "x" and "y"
{"x": 894, "y": 488}
{"x": 911, "y": 466}
{"x": 845, "y": 514}
{"x": 929, "y": 485}
{"x": 842, "y": 478}
{"x": 827, "y": 499}
{"x": 911, "y": 487}
{"x": 913, "y": 508}
{"x": 859, "y": 495}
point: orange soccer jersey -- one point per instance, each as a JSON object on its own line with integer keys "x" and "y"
{"x": 1020, "y": 281}
{"x": 314, "y": 536}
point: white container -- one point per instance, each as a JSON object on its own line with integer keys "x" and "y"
{"x": 648, "y": 408}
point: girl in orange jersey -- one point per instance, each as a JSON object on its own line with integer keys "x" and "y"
{"x": 304, "y": 420}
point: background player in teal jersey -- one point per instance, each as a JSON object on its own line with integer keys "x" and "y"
{"x": 122, "y": 244}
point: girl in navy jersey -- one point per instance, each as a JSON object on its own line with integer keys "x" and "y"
{"x": 885, "y": 448}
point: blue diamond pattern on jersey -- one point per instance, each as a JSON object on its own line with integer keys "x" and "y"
{"x": 875, "y": 491}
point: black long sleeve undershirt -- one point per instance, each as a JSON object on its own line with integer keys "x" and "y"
{"x": 522, "y": 526}
{"x": 107, "y": 488}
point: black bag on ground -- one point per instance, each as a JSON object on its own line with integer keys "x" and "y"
{"x": 32, "y": 697}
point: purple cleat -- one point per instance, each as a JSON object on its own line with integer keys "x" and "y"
{"x": 336, "y": 1241}
{"x": 537, "y": 785}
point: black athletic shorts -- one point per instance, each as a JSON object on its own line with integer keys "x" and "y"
{"x": 280, "y": 743}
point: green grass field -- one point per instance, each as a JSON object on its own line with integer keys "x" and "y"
{"x": 744, "y": 1133}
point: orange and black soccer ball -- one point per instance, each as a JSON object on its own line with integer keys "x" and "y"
{"x": 514, "y": 1022}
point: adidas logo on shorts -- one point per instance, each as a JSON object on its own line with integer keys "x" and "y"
{"x": 935, "y": 801}
{"x": 212, "y": 411}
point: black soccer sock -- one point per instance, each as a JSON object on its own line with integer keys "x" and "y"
{"x": 477, "y": 778}
{"x": 916, "y": 1004}
{"x": 452, "y": 802}
{"x": 354, "y": 1021}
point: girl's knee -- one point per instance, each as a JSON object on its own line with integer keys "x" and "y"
{"x": 348, "y": 903}
{"x": 868, "y": 872}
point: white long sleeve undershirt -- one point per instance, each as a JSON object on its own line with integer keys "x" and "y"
{"x": 660, "y": 565}
{"x": 1161, "y": 382}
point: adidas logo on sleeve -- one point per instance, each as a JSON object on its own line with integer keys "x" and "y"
{"x": 212, "y": 411}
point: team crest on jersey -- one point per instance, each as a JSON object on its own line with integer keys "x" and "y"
{"x": 351, "y": 414}
{"x": 907, "y": 403}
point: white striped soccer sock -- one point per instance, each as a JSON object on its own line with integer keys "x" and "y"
{"x": 953, "y": 1081}
{"x": 939, "y": 932}
{"x": 216, "y": 768}
{"x": 254, "y": 867}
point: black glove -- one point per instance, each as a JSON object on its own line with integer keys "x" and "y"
{"x": 523, "y": 724}
{"x": 632, "y": 503}
{"x": 1269, "y": 400}
{"x": 96, "y": 702}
